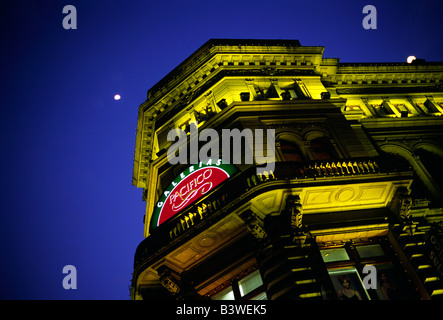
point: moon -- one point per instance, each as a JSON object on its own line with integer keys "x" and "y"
{"x": 117, "y": 97}
{"x": 410, "y": 59}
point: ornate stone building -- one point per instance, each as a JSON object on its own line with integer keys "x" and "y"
{"x": 356, "y": 182}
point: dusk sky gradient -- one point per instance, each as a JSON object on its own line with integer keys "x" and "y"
{"x": 67, "y": 147}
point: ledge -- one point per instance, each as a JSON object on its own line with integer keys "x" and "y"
{"x": 246, "y": 185}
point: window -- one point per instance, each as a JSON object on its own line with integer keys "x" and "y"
{"x": 272, "y": 92}
{"x": 432, "y": 163}
{"x": 370, "y": 251}
{"x": 345, "y": 267}
{"x": 249, "y": 287}
{"x": 322, "y": 149}
{"x": 301, "y": 90}
{"x": 402, "y": 109}
{"x": 204, "y": 114}
{"x": 260, "y": 296}
{"x": 384, "y": 110}
{"x": 336, "y": 254}
{"x": 348, "y": 284}
{"x": 389, "y": 286}
{"x": 226, "y": 294}
{"x": 266, "y": 93}
{"x": 290, "y": 151}
{"x": 343, "y": 264}
{"x": 431, "y": 107}
{"x": 250, "y": 283}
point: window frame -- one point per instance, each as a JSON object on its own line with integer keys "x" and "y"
{"x": 355, "y": 261}
{"x": 234, "y": 286}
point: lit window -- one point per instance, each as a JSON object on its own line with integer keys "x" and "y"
{"x": 345, "y": 267}
{"x": 261, "y": 296}
{"x": 348, "y": 284}
{"x": 336, "y": 254}
{"x": 250, "y": 283}
{"x": 249, "y": 287}
{"x": 226, "y": 294}
{"x": 370, "y": 251}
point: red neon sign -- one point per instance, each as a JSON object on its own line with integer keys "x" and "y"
{"x": 193, "y": 183}
{"x": 191, "y": 189}
{"x": 189, "y": 186}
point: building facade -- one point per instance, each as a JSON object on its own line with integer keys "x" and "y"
{"x": 351, "y": 208}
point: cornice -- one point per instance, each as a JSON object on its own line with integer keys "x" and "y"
{"x": 239, "y": 54}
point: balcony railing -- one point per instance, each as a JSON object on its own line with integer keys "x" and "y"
{"x": 244, "y": 185}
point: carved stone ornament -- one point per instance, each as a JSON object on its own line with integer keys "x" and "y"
{"x": 255, "y": 226}
{"x": 401, "y": 205}
{"x": 295, "y": 208}
{"x": 301, "y": 233}
{"x": 168, "y": 282}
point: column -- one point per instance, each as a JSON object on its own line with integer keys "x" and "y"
{"x": 290, "y": 262}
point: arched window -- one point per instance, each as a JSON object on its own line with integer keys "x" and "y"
{"x": 399, "y": 160}
{"x": 432, "y": 163}
{"x": 290, "y": 151}
{"x": 322, "y": 149}
{"x": 425, "y": 166}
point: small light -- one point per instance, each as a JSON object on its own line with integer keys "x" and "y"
{"x": 410, "y": 59}
{"x": 117, "y": 97}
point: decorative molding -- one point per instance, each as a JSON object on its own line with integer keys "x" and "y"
{"x": 205, "y": 243}
{"x": 348, "y": 197}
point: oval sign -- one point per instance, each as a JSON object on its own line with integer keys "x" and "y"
{"x": 189, "y": 186}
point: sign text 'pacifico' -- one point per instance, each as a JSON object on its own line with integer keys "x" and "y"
{"x": 194, "y": 182}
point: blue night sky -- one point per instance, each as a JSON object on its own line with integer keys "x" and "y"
{"x": 67, "y": 146}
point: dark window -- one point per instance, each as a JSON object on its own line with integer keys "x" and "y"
{"x": 322, "y": 149}
{"x": 266, "y": 93}
{"x": 431, "y": 106}
{"x": 290, "y": 151}
{"x": 432, "y": 163}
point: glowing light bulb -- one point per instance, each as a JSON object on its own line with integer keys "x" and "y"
{"x": 410, "y": 59}
{"x": 117, "y": 97}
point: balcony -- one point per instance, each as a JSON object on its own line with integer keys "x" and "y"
{"x": 246, "y": 185}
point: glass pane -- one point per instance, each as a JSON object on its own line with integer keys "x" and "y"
{"x": 250, "y": 282}
{"x": 226, "y": 294}
{"x": 261, "y": 296}
{"x": 348, "y": 284}
{"x": 373, "y": 250}
{"x": 290, "y": 151}
{"x": 336, "y": 254}
{"x": 389, "y": 284}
